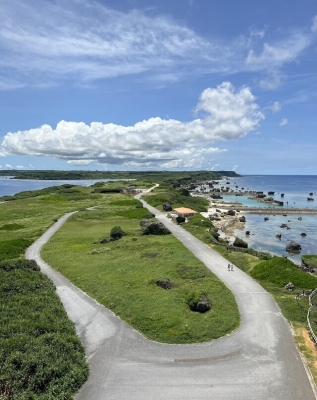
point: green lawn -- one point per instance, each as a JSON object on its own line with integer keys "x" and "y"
{"x": 122, "y": 275}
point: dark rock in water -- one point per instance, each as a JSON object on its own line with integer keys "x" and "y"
{"x": 303, "y": 234}
{"x": 289, "y": 286}
{"x": 282, "y": 194}
{"x": 266, "y": 218}
{"x": 293, "y": 247}
{"x": 299, "y": 218}
{"x": 164, "y": 283}
{"x": 270, "y": 193}
{"x": 283, "y": 226}
{"x": 279, "y": 236}
{"x": 242, "y": 218}
{"x": 311, "y": 194}
{"x": 247, "y": 233}
{"x": 167, "y": 207}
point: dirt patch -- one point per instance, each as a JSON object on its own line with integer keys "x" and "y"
{"x": 310, "y": 344}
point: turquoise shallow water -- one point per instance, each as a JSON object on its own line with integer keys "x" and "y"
{"x": 263, "y": 233}
{"x": 296, "y": 189}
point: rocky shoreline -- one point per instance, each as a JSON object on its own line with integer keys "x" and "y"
{"x": 228, "y": 217}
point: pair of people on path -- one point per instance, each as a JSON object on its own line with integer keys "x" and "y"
{"x": 230, "y": 267}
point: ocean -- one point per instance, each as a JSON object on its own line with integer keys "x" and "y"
{"x": 296, "y": 189}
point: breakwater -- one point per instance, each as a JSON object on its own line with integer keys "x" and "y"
{"x": 268, "y": 210}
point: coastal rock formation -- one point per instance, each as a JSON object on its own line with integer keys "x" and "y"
{"x": 167, "y": 207}
{"x": 293, "y": 247}
{"x": 242, "y": 218}
{"x": 231, "y": 212}
{"x": 266, "y": 218}
{"x": 164, "y": 283}
{"x": 247, "y": 233}
{"x": 303, "y": 234}
{"x": 279, "y": 236}
{"x": 199, "y": 304}
{"x": 150, "y": 227}
{"x": 289, "y": 286}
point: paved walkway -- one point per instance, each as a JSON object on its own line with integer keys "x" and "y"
{"x": 258, "y": 361}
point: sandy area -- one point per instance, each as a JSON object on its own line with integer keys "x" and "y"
{"x": 227, "y": 223}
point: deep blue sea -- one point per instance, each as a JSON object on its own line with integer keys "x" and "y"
{"x": 296, "y": 189}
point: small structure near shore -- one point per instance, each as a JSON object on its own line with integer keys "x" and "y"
{"x": 185, "y": 212}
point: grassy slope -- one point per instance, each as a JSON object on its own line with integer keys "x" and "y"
{"x": 166, "y": 193}
{"x": 122, "y": 275}
{"x": 40, "y": 355}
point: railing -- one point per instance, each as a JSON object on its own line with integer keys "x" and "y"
{"x": 308, "y": 315}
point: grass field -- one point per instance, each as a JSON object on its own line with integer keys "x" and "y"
{"x": 40, "y": 354}
{"x": 122, "y": 275}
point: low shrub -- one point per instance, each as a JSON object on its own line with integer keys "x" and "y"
{"x": 117, "y": 233}
{"x": 240, "y": 243}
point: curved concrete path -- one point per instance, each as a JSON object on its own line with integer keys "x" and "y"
{"x": 258, "y": 361}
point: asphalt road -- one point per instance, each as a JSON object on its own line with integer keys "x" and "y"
{"x": 258, "y": 361}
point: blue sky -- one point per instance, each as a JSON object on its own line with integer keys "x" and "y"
{"x": 148, "y": 84}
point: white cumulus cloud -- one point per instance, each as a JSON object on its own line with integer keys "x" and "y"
{"x": 227, "y": 114}
{"x": 275, "y": 107}
{"x": 283, "y": 122}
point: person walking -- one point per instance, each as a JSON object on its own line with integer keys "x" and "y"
{"x": 231, "y": 267}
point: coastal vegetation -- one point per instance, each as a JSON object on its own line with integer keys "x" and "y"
{"x": 154, "y": 176}
{"x": 167, "y": 193}
{"x": 41, "y": 357}
{"x": 123, "y": 274}
{"x": 40, "y": 354}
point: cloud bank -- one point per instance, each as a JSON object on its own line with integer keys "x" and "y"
{"x": 226, "y": 114}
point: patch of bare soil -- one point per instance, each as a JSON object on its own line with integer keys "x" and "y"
{"x": 310, "y": 344}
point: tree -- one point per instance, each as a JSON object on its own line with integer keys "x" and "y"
{"x": 117, "y": 233}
